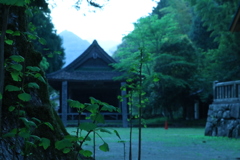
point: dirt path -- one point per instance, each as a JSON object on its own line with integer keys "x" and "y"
{"x": 164, "y": 151}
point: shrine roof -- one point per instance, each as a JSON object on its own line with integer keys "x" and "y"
{"x": 94, "y": 64}
{"x": 235, "y": 25}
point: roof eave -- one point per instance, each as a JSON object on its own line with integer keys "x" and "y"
{"x": 235, "y": 25}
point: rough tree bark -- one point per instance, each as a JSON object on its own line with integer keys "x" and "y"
{"x": 5, "y": 12}
{"x": 39, "y": 106}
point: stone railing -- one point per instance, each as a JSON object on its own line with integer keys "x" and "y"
{"x": 224, "y": 113}
{"x": 226, "y": 91}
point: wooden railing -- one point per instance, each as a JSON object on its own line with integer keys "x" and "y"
{"x": 107, "y": 116}
{"x": 226, "y": 91}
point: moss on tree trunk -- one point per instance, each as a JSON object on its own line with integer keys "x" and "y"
{"x": 39, "y": 106}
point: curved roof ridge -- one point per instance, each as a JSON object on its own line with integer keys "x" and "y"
{"x": 93, "y": 51}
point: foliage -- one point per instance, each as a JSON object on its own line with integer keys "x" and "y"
{"x": 95, "y": 107}
{"x": 23, "y": 80}
{"x": 188, "y": 46}
{"x": 169, "y": 58}
{"x": 18, "y": 74}
{"x": 44, "y": 37}
{"x": 217, "y": 47}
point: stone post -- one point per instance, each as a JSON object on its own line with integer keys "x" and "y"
{"x": 215, "y": 96}
{"x": 234, "y": 90}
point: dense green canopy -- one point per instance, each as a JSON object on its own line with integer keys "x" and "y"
{"x": 188, "y": 46}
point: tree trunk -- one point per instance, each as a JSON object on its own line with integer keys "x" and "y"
{"x": 5, "y": 12}
{"x": 39, "y": 106}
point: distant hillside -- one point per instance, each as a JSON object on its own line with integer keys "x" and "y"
{"x": 73, "y": 45}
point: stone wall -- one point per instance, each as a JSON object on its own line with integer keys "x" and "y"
{"x": 223, "y": 120}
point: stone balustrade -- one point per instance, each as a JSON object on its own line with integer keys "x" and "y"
{"x": 224, "y": 113}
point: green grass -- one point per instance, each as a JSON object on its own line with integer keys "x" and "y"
{"x": 173, "y": 139}
{"x": 172, "y": 136}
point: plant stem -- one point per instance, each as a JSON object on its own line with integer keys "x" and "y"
{"x": 131, "y": 116}
{"x": 140, "y": 107}
{"x": 94, "y": 145}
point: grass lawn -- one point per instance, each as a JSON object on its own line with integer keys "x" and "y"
{"x": 158, "y": 143}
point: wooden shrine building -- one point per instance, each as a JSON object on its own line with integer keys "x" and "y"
{"x": 90, "y": 75}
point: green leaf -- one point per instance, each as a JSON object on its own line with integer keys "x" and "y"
{"x": 11, "y": 108}
{"x": 107, "y": 107}
{"x": 24, "y": 133}
{"x": 17, "y": 58}
{"x": 105, "y": 131}
{"x": 85, "y": 153}
{"x": 98, "y": 118}
{"x": 117, "y": 134}
{"x": 33, "y": 85}
{"x": 33, "y": 68}
{"x": 58, "y": 52}
{"x": 50, "y": 55}
{"x": 45, "y": 143}
{"x": 49, "y": 125}
{"x": 75, "y": 104}
{"x": 22, "y": 113}
{"x": 12, "y": 133}
{"x": 94, "y": 100}
{"x": 28, "y": 123}
{"x": 155, "y": 79}
{"x": 28, "y": 12}
{"x": 93, "y": 108}
{"x": 9, "y": 31}
{"x": 36, "y": 119}
{"x": 13, "y": 2}
{"x": 42, "y": 41}
{"x": 71, "y": 138}
{"x": 30, "y": 144}
{"x": 104, "y": 147}
{"x": 36, "y": 137}
{"x": 24, "y": 97}
{"x": 64, "y": 143}
{"x": 66, "y": 150}
{"x": 39, "y": 77}
{"x": 31, "y": 36}
{"x": 87, "y": 126}
{"x": 11, "y": 88}
{"x": 16, "y": 33}
{"x": 17, "y": 67}
{"x": 9, "y": 42}
{"x": 16, "y": 76}
{"x": 27, "y": 1}
{"x": 0, "y": 95}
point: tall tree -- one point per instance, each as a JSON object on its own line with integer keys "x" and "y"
{"x": 216, "y": 45}
{"x": 23, "y": 89}
{"x": 161, "y": 38}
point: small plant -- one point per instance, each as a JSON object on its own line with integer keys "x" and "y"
{"x": 26, "y": 133}
{"x": 75, "y": 143}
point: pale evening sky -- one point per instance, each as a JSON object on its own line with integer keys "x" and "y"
{"x": 109, "y": 24}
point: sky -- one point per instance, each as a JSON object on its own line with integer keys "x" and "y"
{"x": 107, "y": 25}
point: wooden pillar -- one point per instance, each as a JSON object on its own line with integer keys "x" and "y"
{"x": 124, "y": 107}
{"x": 64, "y": 102}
